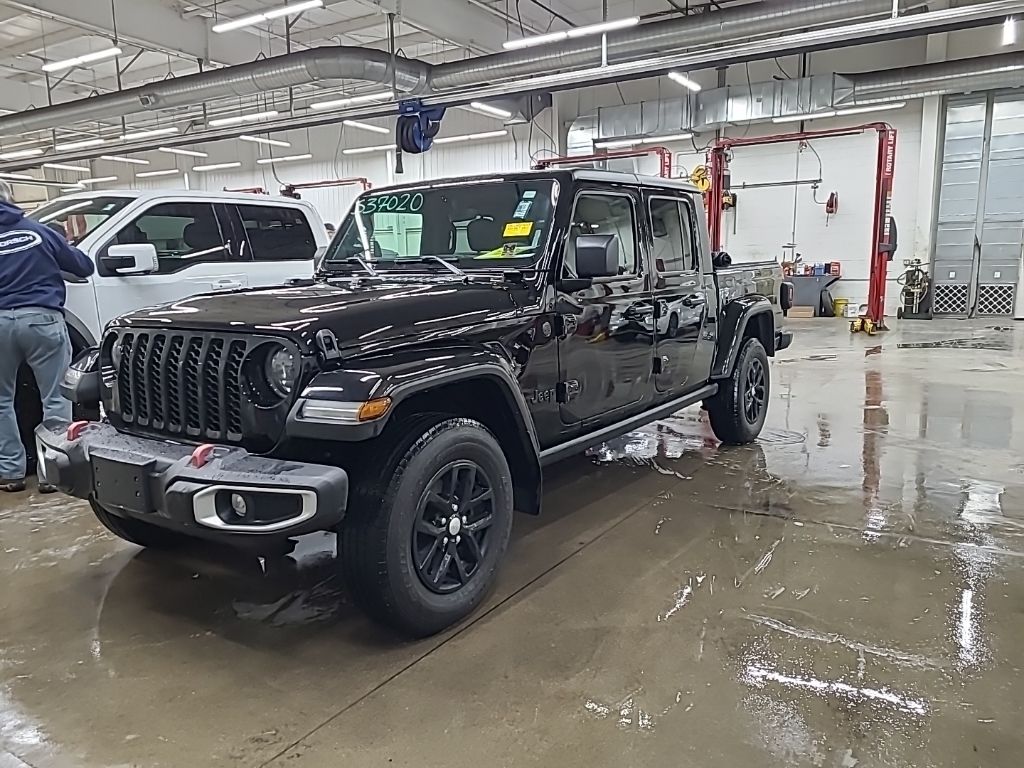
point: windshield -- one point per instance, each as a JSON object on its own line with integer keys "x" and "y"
{"x": 77, "y": 217}
{"x": 476, "y": 225}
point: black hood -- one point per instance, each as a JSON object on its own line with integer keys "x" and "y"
{"x": 358, "y": 312}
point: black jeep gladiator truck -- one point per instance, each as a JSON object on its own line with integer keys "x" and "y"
{"x": 458, "y": 336}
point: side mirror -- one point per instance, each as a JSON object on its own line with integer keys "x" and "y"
{"x": 130, "y": 259}
{"x": 597, "y": 256}
{"x": 721, "y": 260}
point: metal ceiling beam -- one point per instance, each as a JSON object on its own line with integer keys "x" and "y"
{"x": 466, "y": 22}
{"x": 149, "y": 24}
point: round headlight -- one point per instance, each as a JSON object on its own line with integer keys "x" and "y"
{"x": 281, "y": 369}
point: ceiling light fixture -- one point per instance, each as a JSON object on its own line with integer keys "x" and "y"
{"x": 871, "y": 108}
{"x": 17, "y": 176}
{"x": 217, "y": 166}
{"x": 20, "y": 154}
{"x": 77, "y": 61}
{"x": 471, "y": 137}
{"x": 1009, "y": 31}
{"x": 554, "y": 37}
{"x": 253, "y": 117}
{"x": 98, "y": 180}
{"x": 365, "y": 150}
{"x": 268, "y": 142}
{"x": 79, "y": 144}
{"x": 147, "y": 174}
{"x": 63, "y": 167}
{"x": 361, "y": 99}
{"x": 122, "y": 159}
{"x": 622, "y": 143}
{"x": 487, "y": 109}
{"x": 365, "y": 126}
{"x": 186, "y": 152}
{"x": 809, "y": 116}
{"x": 684, "y": 81}
{"x": 256, "y": 18}
{"x": 285, "y": 159}
{"x": 149, "y": 134}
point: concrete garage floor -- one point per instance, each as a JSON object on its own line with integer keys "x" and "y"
{"x": 847, "y": 592}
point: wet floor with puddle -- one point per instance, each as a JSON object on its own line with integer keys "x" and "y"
{"x": 849, "y": 591}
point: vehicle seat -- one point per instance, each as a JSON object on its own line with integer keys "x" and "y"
{"x": 130, "y": 235}
{"x": 484, "y": 235}
{"x": 201, "y": 235}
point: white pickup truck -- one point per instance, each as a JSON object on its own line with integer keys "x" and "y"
{"x": 159, "y": 246}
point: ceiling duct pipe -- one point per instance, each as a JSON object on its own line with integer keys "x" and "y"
{"x": 679, "y": 34}
{"x": 1002, "y": 70}
{"x": 278, "y": 72}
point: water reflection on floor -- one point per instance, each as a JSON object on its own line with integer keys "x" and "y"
{"x": 846, "y": 592}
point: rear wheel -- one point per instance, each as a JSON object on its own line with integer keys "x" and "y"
{"x": 429, "y": 525}
{"x": 136, "y": 531}
{"x": 737, "y": 413}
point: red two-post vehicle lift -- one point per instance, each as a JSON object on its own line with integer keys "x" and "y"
{"x": 883, "y": 226}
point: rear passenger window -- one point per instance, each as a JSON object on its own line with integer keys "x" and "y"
{"x": 672, "y": 228}
{"x": 277, "y": 234}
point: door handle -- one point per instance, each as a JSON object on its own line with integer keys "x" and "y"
{"x": 227, "y": 285}
{"x": 695, "y": 300}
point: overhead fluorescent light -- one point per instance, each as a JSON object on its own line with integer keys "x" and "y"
{"x": 147, "y": 174}
{"x": 284, "y": 159}
{"x": 684, "y": 81}
{"x": 20, "y": 154}
{"x": 256, "y": 18}
{"x": 77, "y": 61}
{"x": 361, "y": 99}
{"x": 365, "y": 150}
{"x": 79, "y": 144}
{"x": 63, "y": 167}
{"x": 554, "y": 37}
{"x": 809, "y": 116}
{"x": 150, "y": 133}
{"x": 217, "y": 166}
{"x": 871, "y": 108}
{"x": 365, "y": 126}
{"x": 122, "y": 159}
{"x": 186, "y": 152}
{"x": 471, "y": 137}
{"x": 17, "y": 176}
{"x": 98, "y": 180}
{"x": 622, "y": 143}
{"x": 268, "y": 142}
{"x": 253, "y": 117}
{"x": 1009, "y": 31}
{"x": 488, "y": 109}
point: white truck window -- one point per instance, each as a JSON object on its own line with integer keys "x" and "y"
{"x": 277, "y": 234}
{"x": 184, "y": 234}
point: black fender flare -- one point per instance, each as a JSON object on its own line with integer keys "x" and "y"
{"x": 735, "y": 316}
{"x": 417, "y": 374}
{"x": 81, "y": 336}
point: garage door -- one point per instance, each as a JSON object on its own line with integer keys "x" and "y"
{"x": 979, "y": 240}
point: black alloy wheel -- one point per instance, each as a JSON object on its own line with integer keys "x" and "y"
{"x": 453, "y": 519}
{"x": 754, "y": 395}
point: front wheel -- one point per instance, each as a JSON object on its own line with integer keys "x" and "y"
{"x": 425, "y": 533}
{"x": 737, "y": 413}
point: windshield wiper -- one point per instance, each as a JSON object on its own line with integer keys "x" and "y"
{"x": 352, "y": 260}
{"x": 443, "y": 262}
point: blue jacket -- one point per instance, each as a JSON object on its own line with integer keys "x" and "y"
{"x": 32, "y": 256}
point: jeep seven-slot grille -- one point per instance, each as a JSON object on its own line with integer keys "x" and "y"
{"x": 183, "y": 384}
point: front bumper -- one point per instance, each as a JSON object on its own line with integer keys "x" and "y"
{"x": 155, "y": 481}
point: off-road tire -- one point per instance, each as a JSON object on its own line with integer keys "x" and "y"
{"x": 138, "y": 532}
{"x": 376, "y": 539}
{"x": 730, "y": 409}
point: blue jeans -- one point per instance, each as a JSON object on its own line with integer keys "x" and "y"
{"x": 38, "y": 337}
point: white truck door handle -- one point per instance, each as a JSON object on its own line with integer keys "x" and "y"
{"x": 227, "y": 285}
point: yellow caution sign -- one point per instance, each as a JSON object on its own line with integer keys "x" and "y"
{"x": 518, "y": 229}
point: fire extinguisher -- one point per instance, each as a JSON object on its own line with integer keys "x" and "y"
{"x": 832, "y": 204}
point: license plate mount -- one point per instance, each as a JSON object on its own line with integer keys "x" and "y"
{"x": 122, "y": 482}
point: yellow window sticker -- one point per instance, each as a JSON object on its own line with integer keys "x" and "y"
{"x": 518, "y": 229}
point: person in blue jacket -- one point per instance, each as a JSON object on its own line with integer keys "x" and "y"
{"x": 32, "y": 328}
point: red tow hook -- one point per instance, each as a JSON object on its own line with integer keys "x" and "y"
{"x": 202, "y": 455}
{"x": 75, "y": 429}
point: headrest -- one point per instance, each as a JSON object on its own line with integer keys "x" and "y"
{"x": 484, "y": 235}
{"x": 201, "y": 234}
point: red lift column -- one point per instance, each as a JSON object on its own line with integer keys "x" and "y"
{"x": 883, "y": 236}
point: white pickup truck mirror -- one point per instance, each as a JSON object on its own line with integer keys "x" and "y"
{"x": 131, "y": 259}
